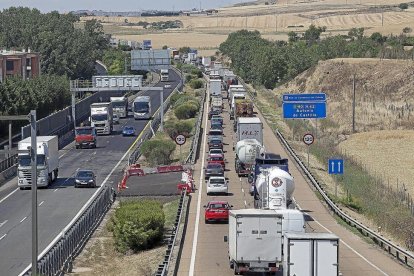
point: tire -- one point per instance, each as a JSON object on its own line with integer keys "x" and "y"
{"x": 206, "y": 221}
{"x": 77, "y": 147}
{"x": 231, "y": 265}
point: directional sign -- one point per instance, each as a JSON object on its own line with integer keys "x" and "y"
{"x": 305, "y": 110}
{"x": 180, "y": 139}
{"x": 336, "y": 166}
{"x": 308, "y": 139}
{"x": 318, "y": 97}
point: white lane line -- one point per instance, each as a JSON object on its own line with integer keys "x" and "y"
{"x": 242, "y": 190}
{"x": 245, "y": 204}
{"x": 200, "y": 191}
{"x": 55, "y": 190}
{"x": 347, "y": 245}
{"x": 41, "y": 202}
{"x": 3, "y": 236}
{"x": 23, "y": 219}
{"x": 3, "y": 223}
{"x": 4, "y": 198}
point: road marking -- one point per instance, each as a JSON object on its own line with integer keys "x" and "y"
{"x": 55, "y": 190}
{"x": 197, "y": 222}
{"x": 3, "y": 199}
{"x": 3, "y": 223}
{"x": 3, "y": 236}
{"x": 41, "y": 202}
{"x": 242, "y": 190}
{"x": 23, "y": 219}
{"x": 347, "y": 245}
{"x": 245, "y": 204}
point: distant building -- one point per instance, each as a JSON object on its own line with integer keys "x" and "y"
{"x": 16, "y": 63}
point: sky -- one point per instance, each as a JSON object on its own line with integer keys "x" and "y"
{"x": 116, "y": 5}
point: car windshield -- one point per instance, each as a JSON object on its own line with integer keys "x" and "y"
{"x": 99, "y": 117}
{"x": 84, "y": 131}
{"x": 213, "y": 166}
{"x": 217, "y": 180}
{"x": 216, "y": 158}
{"x": 215, "y": 151}
{"x": 215, "y": 141}
{"x": 128, "y": 128}
{"x": 85, "y": 174}
{"x": 24, "y": 160}
{"x": 119, "y": 104}
{"x": 218, "y": 205}
{"x": 215, "y": 132}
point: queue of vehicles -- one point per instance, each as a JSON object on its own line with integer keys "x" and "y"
{"x": 267, "y": 237}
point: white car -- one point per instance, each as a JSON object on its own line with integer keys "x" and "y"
{"x": 217, "y": 185}
{"x": 167, "y": 86}
{"x": 216, "y": 151}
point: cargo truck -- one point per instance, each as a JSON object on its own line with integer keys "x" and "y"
{"x": 215, "y": 87}
{"x": 310, "y": 254}
{"x": 249, "y": 128}
{"x": 164, "y": 75}
{"x": 85, "y": 136}
{"x": 120, "y": 106}
{"x": 233, "y": 89}
{"x": 247, "y": 151}
{"x": 47, "y": 161}
{"x": 217, "y": 103}
{"x": 102, "y": 117}
{"x": 242, "y": 108}
{"x": 255, "y": 241}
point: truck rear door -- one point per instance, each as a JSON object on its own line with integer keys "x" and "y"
{"x": 299, "y": 255}
{"x": 326, "y": 257}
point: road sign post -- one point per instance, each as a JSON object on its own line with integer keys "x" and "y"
{"x": 180, "y": 140}
{"x": 308, "y": 139}
{"x": 336, "y": 166}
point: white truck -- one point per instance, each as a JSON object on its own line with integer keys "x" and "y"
{"x": 102, "y": 117}
{"x": 255, "y": 240}
{"x": 249, "y": 128}
{"x": 274, "y": 189}
{"x": 234, "y": 88}
{"x": 206, "y": 61}
{"x": 217, "y": 102}
{"x": 215, "y": 87}
{"x": 47, "y": 161}
{"x": 120, "y": 106}
{"x": 239, "y": 95}
{"x": 310, "y": 254}
{"x": 164, "y": 75}
{"x": 247, "y": 151}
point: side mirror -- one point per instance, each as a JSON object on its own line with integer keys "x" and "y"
{"x": 250, "y": 178}
{"x": 225, "y": 239}
{"x": 205, "y": 206}
{"x": 231, "y": 206}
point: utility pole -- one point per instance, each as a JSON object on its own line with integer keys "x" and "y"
{"x": 353, "y": 104}
{"x": 162, "y": 110}
{"x": 74, "y": 108}
{"x": 33, "y": 156}
{"x": 382, "y": 18}
{"x": 276, "y": 22}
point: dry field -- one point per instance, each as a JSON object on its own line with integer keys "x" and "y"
{"x": 273, "y": 21}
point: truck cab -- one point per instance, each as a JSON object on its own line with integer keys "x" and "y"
{"x": 85, "y": 136}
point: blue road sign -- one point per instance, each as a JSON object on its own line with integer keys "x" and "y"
{"x": 305, "y": 110}
{"x": 318, "y": 97}
{"x": 336, "y": 166}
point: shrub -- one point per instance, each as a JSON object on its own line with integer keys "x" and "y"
{"x": 184, "y": 127}
{"x": 185, "y": 99}
{"x": 138, "y": 225}
{"x": 188, "y": 78}
{"x": 186, "y": 111}
{"x": 158, "y": 151}
{"x": 403, "y": 6}
{"x": 174, "y": 98}
{"x": 196, "y": 84}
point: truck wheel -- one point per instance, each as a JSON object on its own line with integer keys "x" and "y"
{"x": 77, "y": 147}
{"x": 231, "y": 265}
{"x": 236, "y": 270}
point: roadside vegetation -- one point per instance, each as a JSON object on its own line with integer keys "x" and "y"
{"x": 268, "y": 63}
{"x": 180, "y": 118}
{"x": 115, "y": 250}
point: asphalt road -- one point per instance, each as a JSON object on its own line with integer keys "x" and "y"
{"x": 161, "y": 184}
{"x": 59, "y": 203}
{"x": 205, "y": 253}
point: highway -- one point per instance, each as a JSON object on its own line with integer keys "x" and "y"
{"x": 59, "y": 203}
{"x": 204, "y": 251}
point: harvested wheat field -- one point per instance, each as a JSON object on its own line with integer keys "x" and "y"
{"x": 388, "y": 154}
{"x": 274, "y": 21}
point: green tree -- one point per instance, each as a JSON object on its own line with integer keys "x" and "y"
{"x": 313, "y": 33}
{"x": 356, "y": 33}
{"x": 403, "y": 6}
{"x": 293, "y": 37}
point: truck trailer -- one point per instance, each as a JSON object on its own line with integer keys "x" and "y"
{"x": 249, "y": 128}
{"x": 247, "y": 151}
{"x": 255, "y": 240}
{"x": 47, "y": 161}
{"x": 102, "y": 117}
{"x": 215, "y": 87}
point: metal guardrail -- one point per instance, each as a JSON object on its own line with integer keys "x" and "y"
{"x": 398, "y": 252}
{"x": 61, "y": 251}
{"x": 164, "y": 266}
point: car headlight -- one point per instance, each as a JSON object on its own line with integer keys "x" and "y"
{"x": 77, "y": 181}
{"x": 90, "y": 181}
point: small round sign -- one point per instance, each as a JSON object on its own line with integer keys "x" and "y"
{"x": 180, "y": 139}
{"x": 308, "y": 139}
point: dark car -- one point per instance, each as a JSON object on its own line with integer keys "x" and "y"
{"x": 216, "y": 126}
{"x": 213, "y": 112}
{"x": 215, "y": 144}
{"x": 217, "y": 118}
{"x": 85, "y": 178}
{"x": 213, "y": 169}
{"x": 128, "y": 131}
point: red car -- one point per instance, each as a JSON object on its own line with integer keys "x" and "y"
{"x": 217, "y": 211}
{"x": 216, "y": 159}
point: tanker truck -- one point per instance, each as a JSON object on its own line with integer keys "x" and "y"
{"x": 247, "y": 151}
{"x": 274, "y": 189}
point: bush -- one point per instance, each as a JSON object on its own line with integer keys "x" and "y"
{"x": 138, "y": 225}
{"x": 186, "y": 111}
{"x": 184, "y": 127}
{"x": 188, "y": 78}
{"x": 196, "y": 84}
{"x": 174, "y": 98}
{"x": 403, "y": 6}
{"x": 158, "y": 151}
{"x": 185, "y": 99}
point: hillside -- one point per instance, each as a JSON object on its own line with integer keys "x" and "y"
{"x": 384, "y": 112}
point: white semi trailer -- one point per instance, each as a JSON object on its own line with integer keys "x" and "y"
{"x": 47, "y": 161}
